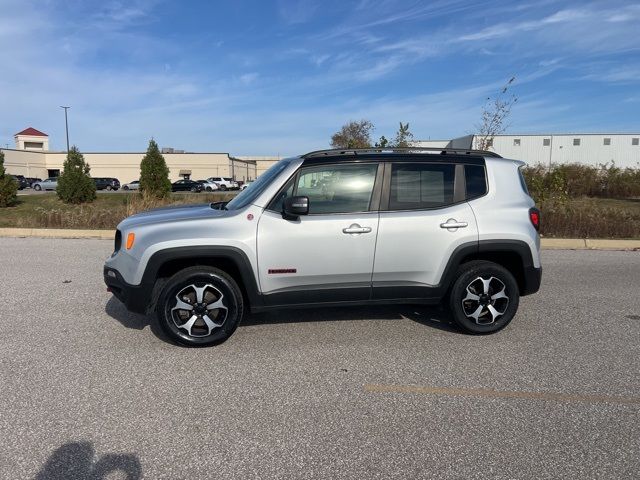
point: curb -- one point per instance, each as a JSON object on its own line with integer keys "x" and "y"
{"x": 546, "y": 243}
{"x": 56, "y": 233}
{"x": 588, "y": 244}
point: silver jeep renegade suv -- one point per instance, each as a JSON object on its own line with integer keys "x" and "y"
{"x": 338, "y": 227}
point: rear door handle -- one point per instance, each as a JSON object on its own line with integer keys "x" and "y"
{"x": 453, "y": 223}
{"x": 356, "y": 229}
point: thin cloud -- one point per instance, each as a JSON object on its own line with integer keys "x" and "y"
{"x": 296, "y": 11}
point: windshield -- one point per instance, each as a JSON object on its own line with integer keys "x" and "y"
{"x": 255, "y": 188}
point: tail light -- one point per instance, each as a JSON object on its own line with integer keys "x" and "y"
{"x": 534, "y": 216}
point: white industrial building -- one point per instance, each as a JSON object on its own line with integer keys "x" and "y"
{"x": 623, "y": 149}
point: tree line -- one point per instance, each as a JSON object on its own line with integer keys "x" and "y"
{"x": 357, "y": 134}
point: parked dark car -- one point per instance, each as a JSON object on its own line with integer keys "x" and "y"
{"x": 22, "y": 182}
{"x": 107, "y": 183}
{"x": 186, "y": 186}
{"x": 32, "y": 180}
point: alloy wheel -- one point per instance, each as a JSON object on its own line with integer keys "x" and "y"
{"x": 486, "y": 300}
{"x": 199, "y": 310}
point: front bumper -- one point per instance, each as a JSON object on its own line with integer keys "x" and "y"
{"x": 135, "y": 297}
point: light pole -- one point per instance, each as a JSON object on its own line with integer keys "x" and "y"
{"x": 66, "y": 125}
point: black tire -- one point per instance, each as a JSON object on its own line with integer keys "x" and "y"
{"x": 125, "y": 188}
{"x": 223, "y": 187}
{"x": 467, "y": 276}
{"x": 37, "y": 188}
{"x": 209, "y": 189}
{"x": 194, "y": 189}
{"x": 200, "y": 335}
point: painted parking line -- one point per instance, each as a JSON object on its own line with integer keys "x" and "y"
{"x": 487, "y": 393}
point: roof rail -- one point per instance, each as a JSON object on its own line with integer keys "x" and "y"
{"x": 375, "y": 150}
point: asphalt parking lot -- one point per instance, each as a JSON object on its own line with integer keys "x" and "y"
{"x": 87, "y": 389}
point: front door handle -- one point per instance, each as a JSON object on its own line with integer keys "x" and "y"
{"x": 453, "y": 223}
{"x": 356, "y": 229}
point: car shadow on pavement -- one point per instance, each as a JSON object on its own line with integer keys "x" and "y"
{"x": 434, "y": 317}
{"x": 136, "y": 321}
{"x": 77, "y": 460}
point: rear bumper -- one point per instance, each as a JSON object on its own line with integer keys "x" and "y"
{"x": 532, "y": 280}
{"x": 135, "y": 297}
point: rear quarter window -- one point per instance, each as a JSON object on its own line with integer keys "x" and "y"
{"x": 475, "y": 181}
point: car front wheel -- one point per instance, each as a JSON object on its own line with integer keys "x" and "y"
{"x": 37, "y": 188}
{"x": 484, "y": 297}
{"x": 200, "y": 306}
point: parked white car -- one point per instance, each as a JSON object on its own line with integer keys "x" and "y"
{"x": 208, "y": 186}
{"x": 225, "y": 183}
{"x": 135, "y": 185}
{"x": 48, "y": 184}
{"x": 246, "y": 184}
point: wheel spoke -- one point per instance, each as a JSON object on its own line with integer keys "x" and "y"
{"x": 471, "y": 296}
{"x": 485, "y": 285}
{"x": 181, "y": 305}
{"x": 189, "y": 324}
{"x": 217, "y": 305}
{"x": 210, "y": 323}
{"x": 476, "y": 314}
{"x": 500, "y": 294}
{"x": 494, "y": 313}
{"x": 200, "y": 293}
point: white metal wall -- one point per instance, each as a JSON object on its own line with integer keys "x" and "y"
{"x": 591, "y": 151}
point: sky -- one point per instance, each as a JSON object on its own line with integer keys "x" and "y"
{"x": 259, "y": 77}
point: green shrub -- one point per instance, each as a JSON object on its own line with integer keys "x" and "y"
{"x": 154, "y": 174}
{"x": 74, "y": 184}
{"x": 8, "y": 186}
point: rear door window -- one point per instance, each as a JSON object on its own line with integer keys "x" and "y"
{"x": 417, "y": 186}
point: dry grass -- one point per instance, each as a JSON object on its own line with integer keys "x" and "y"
{"x": 590, "y": 218}
{"x": 46, "y": 211}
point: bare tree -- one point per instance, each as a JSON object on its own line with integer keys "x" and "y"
{"x": 353, "y": 135}
{"x": 495, "y": 114}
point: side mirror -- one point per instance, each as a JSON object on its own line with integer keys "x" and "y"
{"x": 293, "y": 207}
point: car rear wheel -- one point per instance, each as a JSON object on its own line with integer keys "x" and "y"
{"x": 109, "y": 188}
{"x": 125, "y": 188}
{"x": 484, "y": 297}
{"x": 223, "y": 187}
{"x": 200, "y": 306}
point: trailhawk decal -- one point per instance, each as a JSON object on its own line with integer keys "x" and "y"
{"x": 282, "y": 270}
